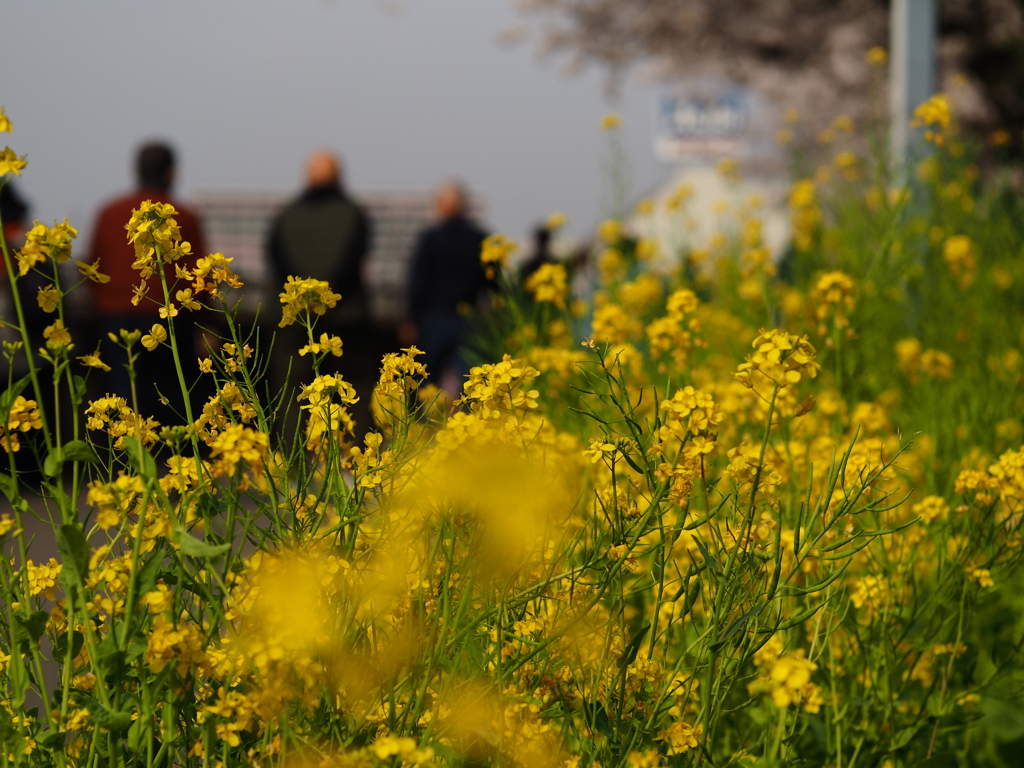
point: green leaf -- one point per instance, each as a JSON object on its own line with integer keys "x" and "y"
{"x": 136, "y": 648}
{"x": 149, "y": 572}
{"x": 52, "y": 463}
{"x": 74, "y": 550}
{"x": 9, "y": 395}
{"x": 629, "y": 460}
{"x": 629, "y": 654}
{"x": 134, "y": 449}
{"x": 60, "y": 647}
{"x": 902, "y": 738}
{"x": 115, "y": 722}
{"x": 78, "y": 450}
{"x": 28, "y": 629}
{"x": 707, "y": 555}
{"x": 80, "y": 389}
{"x": 935, "y": 761}
{"x": 790, "y": 591}
{"x": 135, "y": 734}
{"x": 193, "y": 547}
{"x": 803, "y": 616}
{"x": 8, "y": 486}
{"x": 937, "y": 709}
{"x": 51, "y": 739}
{"x": 109, "y": 658}
{"x": 7, "y": 728}
{"x": 691, "y": 595}
{"x": 735, "y": 627}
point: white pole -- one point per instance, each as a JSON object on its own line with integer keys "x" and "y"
{"x": 912, "y": 32}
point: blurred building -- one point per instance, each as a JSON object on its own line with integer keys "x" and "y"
{"x": 236, "y": 224}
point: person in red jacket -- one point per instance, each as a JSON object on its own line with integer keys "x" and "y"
{"x": 156, "y": 378}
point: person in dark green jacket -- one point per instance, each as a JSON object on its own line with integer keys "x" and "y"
{"x": 324, "y": 234}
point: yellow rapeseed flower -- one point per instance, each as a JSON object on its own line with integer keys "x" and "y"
{"x": 92, "y": 271}
{"x": 327, "y": 343}
{"x": 157, "y": 335}
{"x": 610, "y": 231}
{"x": 11, "y": 163}
{"x": 877, "y": 56}
{"x": 549, "y": 283}
{"x": 5, "y": 122}
{"x": 934, "y": 115}
{"x": 48, "y": 298}
{"x": 781, "y": 357}
{"x": 57, "y": 336}
{"x": 495, "y": 253}
{"x": 306, "y": 295}
{"x": 42, "y": 241}
{"x": 554, "y": 221}
{"x": 93, "y": 361}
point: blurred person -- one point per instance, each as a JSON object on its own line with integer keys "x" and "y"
{"x": 155, "y": 168}
{"x": 14, "y": 212}
{"x": 325, "y": 235}
{"x": 446, "y": 281}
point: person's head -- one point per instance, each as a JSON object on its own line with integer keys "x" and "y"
{"x": 450, "y": 199}
{"x": 323, "y": 169}
{"x": 154, "y": 166}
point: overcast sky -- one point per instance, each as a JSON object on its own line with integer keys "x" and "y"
{"x": 409, "y": 91}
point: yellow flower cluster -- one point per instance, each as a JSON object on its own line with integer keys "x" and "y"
{"x": 833, "y": 297}
{"x": 786, "y": 676}
{"x": 492, "y": 390}
{"x": 220, "y": 410}
{"x": 872, "y": 594}
{"x": 1001, "y": 483}
{"x": 11, "y": 163}
{"x": 690, "y": 413}
{"x": 877, "y": 56}
{"x": 779, "y": 357}
{"x": 681, "y": 737}
{"x": 208, "y": 275}
{"x": 24, "y": 416}
{"x": 614, "y": 325}
{"x": 305, "y": 295}
{"x": 157, "y": 335}
{"x": 549, "y": 283}
{"x": 913, "y": 361}
{"x": 238, "y": 444}
{"x": 177, "y": 643}
{"x": 673, "y": 334}
{"x": 42, "y": 578}
{"x": 112, "y": 414}
{"x": 931, "y": 508}
{"x": 935, "y": 115}
{"x": 327, "y": 344}
{"x": 611, "y": 266}
{"x": 958, "y": 253}
{"x": 400, "y": 375}
{"x": 495, "y": 253}
{"x": 42, "y": 241}
{"x": 114, "y": 501}
{"x": 848, "y": 164}
{"x": 641, "y": 295}
{"x": 610, "y": 231}
{"x": 154, "y": 233}
{"x": 326, "y": 418}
